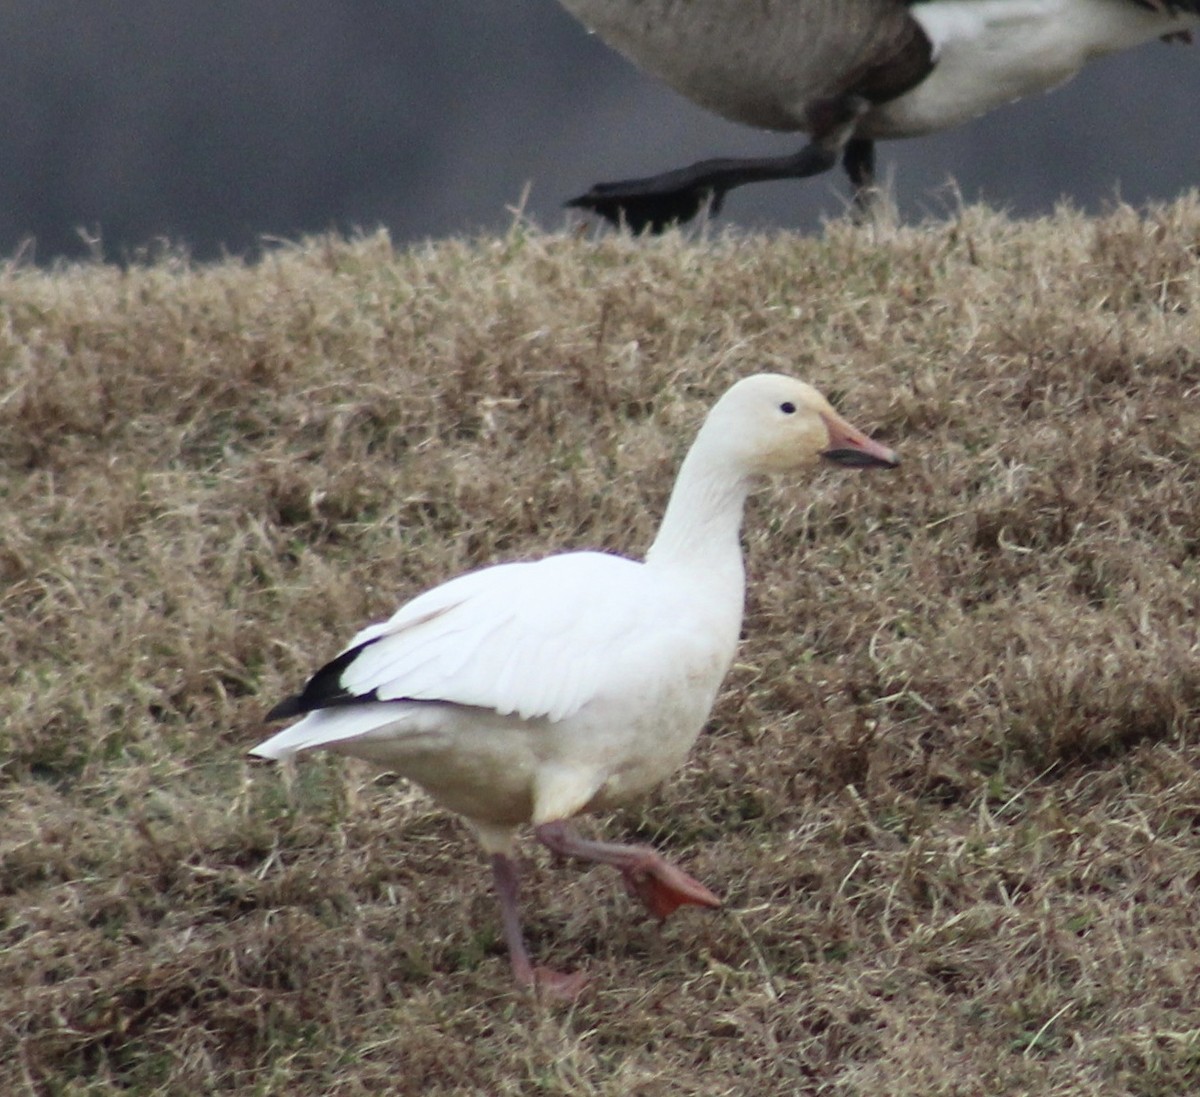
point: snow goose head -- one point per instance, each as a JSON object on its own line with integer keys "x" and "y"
{"x": 771, "y": 423}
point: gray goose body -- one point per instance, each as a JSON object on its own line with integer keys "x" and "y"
{"x": 848, "y": 72}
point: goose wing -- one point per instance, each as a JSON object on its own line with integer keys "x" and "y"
{"x": 530, "y": 639}
{"x": 896, "y": 52}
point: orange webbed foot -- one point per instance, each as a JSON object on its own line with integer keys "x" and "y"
{"x": 663, "y": 888}
{"x": 560, "y": 986}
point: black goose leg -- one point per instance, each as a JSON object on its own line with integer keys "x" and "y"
{"x": 859, "y": 161}
{"x": 676, "y": 196}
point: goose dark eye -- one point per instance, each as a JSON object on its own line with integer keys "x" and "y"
{"x": 787, "y": 407}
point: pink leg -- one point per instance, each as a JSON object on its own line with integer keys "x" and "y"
{"x": 656, "y": 882}
{"x": 556, "y": 984}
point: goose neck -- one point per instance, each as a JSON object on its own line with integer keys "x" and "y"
{"x": 702, "y": 524}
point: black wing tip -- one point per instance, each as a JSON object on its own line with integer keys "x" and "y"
{"x": 287, "y": 708}
{"x": 323, "y": 690}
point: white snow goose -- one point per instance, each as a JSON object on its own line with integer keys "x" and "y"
{"x": 528, "y": 693}
{"x": 848, "y": 72}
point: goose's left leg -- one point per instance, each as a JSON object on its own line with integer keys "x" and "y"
{"x": 658, "y": 201}
{"x": 555, "y": 983}
{"x": 660, "y": 886}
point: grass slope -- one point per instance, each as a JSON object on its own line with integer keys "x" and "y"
{"x": 951, "y": 792}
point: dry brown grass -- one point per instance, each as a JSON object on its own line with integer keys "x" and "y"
{"x": 951, "y": 793}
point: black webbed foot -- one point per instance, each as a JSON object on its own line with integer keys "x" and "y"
{"x": 652, "y": 204}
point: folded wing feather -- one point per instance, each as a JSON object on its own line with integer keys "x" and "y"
{"x": 530, "y": 639}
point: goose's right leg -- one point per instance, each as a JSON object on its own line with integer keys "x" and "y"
{"x": 661, "y": 887}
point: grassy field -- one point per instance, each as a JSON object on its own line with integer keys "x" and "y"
{"x": 951, "y": 792}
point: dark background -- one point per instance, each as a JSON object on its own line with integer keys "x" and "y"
{"x": 215, "y": 124}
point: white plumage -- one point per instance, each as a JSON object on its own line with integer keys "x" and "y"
{"x": 515, "y": 638}
{"x": 531, "y": 692}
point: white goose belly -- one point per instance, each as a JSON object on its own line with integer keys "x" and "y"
{"x": 505, "y": 770}
{"x": 990, "y": 52}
